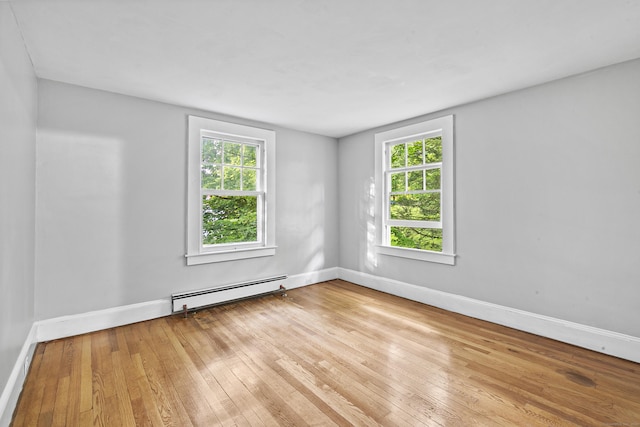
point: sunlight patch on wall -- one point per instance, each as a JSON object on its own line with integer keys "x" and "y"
{"x": 368, "y": 219}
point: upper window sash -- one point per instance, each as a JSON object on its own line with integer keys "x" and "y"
{"x": 217, "y": 160}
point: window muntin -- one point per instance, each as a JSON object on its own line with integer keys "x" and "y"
{"x": 414, "y": 191}
{"x": 231, "y": 192}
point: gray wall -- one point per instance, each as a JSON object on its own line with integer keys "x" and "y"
{"x": 111, "y": 209}
{"x": 18, "y": 92}
{"x": 548, "y": 202}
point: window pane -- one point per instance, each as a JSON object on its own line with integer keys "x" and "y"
{"x": 397, "y": 181}
{"x": 429, "y": 239}
{"x": 229, "y": 219}
{"x": 419, "y": 207}
{"x": 416, "y": 178}
{"x": 397, "y": 156}
{"x": 210, "y": 175}
{"x": 232, "y": 153}
{"x": 433, "y": 179}
{"x": 211, "y": 150}
{"x": 433, "y": 149}
{"x": 232, "y": 178}
{"x": 414, "y": 153}
{"x": 249, "y": 179}
{"x": 250, "y": 155}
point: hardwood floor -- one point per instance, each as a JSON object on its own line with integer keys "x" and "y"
{"x": 328, "y": 354}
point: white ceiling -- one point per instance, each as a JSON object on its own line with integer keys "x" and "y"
{"x": 332, "y": 67}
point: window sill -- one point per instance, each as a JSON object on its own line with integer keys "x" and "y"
{"x": 438, "y": 257}
{"x": 231, "y": 255}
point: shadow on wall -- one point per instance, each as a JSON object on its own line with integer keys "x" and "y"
{"x": 302, "y": 211}
{"x": 78, "y": 222}
{"x": 314, "y": 239}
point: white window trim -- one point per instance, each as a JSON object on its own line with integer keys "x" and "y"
{"x": 198, "y": 254}
{"x": 444, "y": 125}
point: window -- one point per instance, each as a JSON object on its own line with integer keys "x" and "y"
{"x": 415, "y": 200}
{"x": 231, "y": 193}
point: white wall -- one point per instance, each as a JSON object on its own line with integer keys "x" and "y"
{"x": 548, "y": 202}
{"x": 111, "y": 203}
{"x": 18, "y": 91}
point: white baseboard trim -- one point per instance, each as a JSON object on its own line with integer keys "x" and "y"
{"x": 66, "y": 326}
{"x": 13, "y": 387}
{"x": 304, "y": 279}
{"x": 596, "y": 339}
{"x": 76, "y": 324}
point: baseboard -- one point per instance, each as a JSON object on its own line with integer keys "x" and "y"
{"x": 304, "y": 279}
{"x": 13, "y": 387}
{"x": 600, "y": 340}
{"x": 66, "y": 326}
{"x": 83, "y": 323}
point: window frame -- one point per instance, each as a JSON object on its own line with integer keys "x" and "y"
{"x": 197, "y": 252}
{"x": 443, "y": 127}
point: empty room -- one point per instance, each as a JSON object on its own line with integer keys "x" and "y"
{"x": 320, "y": 212}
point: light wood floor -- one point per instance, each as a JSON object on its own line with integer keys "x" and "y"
{"x": 328, "y": 354}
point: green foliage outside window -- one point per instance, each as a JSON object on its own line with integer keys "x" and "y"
{"x": 415, "y": 207}
{"x": 428, "y": 239}
{"x": 229, "y": 219}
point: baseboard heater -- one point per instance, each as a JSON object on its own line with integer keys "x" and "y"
{"x": 189, "y": 301}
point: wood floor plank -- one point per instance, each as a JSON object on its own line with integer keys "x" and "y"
{"x": 86, "y": 375}
{"x": 61, "y": 402}
{"x": 72, "y": 361}
{"x": 329, "y": 354}
{"x": 50, "y": 363}
{"x": 168, "y": 402}
{"x": 31, "y": 392}
{"x": 147, "y": 396}
{"x": 131, "y": 374}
